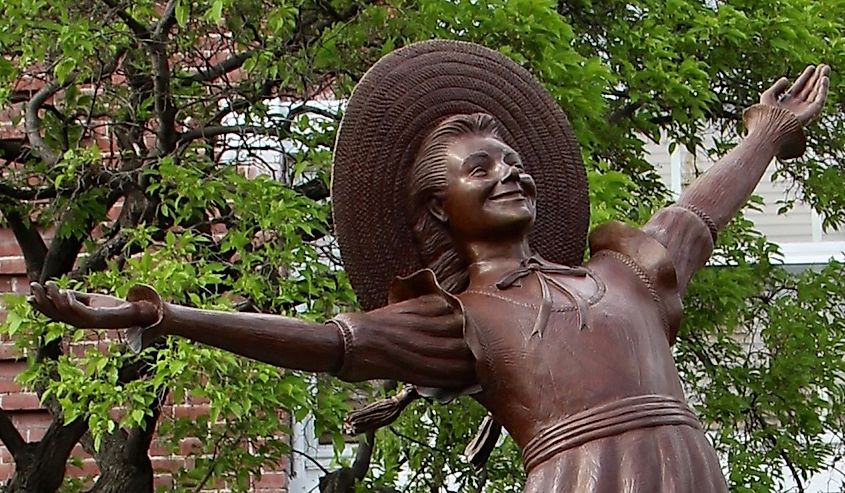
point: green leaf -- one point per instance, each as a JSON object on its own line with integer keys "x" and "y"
{"x": 182, "y": 10}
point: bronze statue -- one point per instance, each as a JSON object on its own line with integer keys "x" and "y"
{"x": 573, "y": 358}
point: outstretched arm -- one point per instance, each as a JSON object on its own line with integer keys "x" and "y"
{"x": 688, "y": 228}
{"x": 419, "y": 341}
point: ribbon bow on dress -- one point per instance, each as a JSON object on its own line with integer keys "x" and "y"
{"x": 534, "y": 265}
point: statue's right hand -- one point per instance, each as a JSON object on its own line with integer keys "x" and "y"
{"x": 91, "y": 311}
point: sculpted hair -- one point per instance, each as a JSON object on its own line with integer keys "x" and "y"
{"x": 428, "y": 181}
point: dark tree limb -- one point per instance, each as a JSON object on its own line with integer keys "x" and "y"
{"x": 167, "y": 21}
{"x": 32, "y": 122}
{"x": 211, "y": 132}
{"x": 314, "y": 189}
{"x": 40, "y": 466}
{"x": 14, "y": 150}
{"x": 166, "y": 111}
{"x": 99, "y": 258}
{"x": 139, "y": 438}
{"x": 27, "y": 193}
{"x": 63, "y": 250}
{"x": 29, "y": 239}
{"x": 138, "y": 29}
{"x": 10, "y": 436}
{"x": 228, "y": 65}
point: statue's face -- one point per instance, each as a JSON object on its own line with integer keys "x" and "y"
{"x": 488, "y": 195}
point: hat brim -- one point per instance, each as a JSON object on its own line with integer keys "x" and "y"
{"x": 394, "y": 107}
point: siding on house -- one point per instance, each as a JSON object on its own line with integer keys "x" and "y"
{"x": 799, "y": 231}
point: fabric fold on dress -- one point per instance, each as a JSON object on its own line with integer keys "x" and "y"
{"x": 534, "y": 265}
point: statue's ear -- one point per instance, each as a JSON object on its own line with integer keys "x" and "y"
{"x": 435, "y": 207}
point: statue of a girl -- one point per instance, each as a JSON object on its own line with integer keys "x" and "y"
{"x": 433, "y": 180}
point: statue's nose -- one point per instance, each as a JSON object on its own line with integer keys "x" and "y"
{"x": 511, "y": 173}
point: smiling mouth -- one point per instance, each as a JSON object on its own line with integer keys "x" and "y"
{"x": 509, "y": 195}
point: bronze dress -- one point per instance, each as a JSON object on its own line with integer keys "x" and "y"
{"x": 594, "y": 401}
{"x": 580, "y": 372}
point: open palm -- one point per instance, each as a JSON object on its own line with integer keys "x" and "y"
{"x": 806, "y": 98}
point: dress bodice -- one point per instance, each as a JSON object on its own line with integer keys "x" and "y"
{"x": 618, "y": 348}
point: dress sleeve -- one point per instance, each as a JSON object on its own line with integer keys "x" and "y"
{"x": 421, "y": 338}
{"x": 687, "y": 234}
{"x": 650, "y": 261}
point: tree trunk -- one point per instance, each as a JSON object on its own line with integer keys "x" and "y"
{"x": 120, "y": 476}
{"x": 39, "y": 468}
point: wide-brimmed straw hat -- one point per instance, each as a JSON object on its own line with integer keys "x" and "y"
{"x": 394, "y": 107}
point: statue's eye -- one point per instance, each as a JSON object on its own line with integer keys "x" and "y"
{"x": 478, "y": 171}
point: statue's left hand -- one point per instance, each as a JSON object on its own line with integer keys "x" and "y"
{"x": 89, "y": 310}
{"x": 806, "y": 98}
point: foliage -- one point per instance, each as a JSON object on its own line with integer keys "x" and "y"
{"x": 151, "y": 105}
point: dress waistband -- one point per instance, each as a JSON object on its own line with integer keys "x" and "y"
{"x": 606, "y": 420}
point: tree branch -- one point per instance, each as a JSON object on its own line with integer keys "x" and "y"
{"x": 168, "y": 19}
{"x": 314, "y": 189}
{"x": 136, "y": 27}
{"x": 32, "y": 123}
{"x": 10, "y": 436}
{"x": 228, "y": 65}
{"x": 363, "y": 456}
{"x": 27, "y": 193}
{"x": 29, "y": 239}
{"x": 99, "y": 258}
{"x": 210, "y": 132}
{"x": 63, "y": 250}
{"x": 139, "y": 438}
{"x": 166, "y": 111}
{"x": 236, "y": 61}
{"x": 14, "y": 150}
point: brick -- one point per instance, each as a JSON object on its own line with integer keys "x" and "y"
{"x": 80, "y": 452}
{"x": 6, "y": 471}
{"x": 11, "y": 369}
{"x": 20, "y": 285}
{"x": 29, "y": 420}
{"x": 12, "y": 265}
{"x": 190, "y": 446}
{"x": 6, "y": 283}
{"x": 191, "y": 412}
{"x": 8, "y": 244}
{"x": 5, "y": 456}
{"x": 164, "y": 481}
{"x": 167, "y": 465}
{"x": 272, "y": 480}
{"x": 197, "y": 400}
{"x": 158, "y": 449}
{"x": 23, "y": 401}
{"x": 35, "y": 434}
{"x": 8, "y": 386}
{"x": 8, "y": 351}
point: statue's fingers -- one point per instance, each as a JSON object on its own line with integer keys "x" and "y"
{"x": 820, "y": 87}
{"x": 810, "y": 86}
{"x": 817, "y": 101}
{"x": 38, "y": 294}
{"x": 55, "y": 295}
{"x": 801, "y": 81}
{"x": 41, "y": 298}
{"x": 771, "y": 95}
